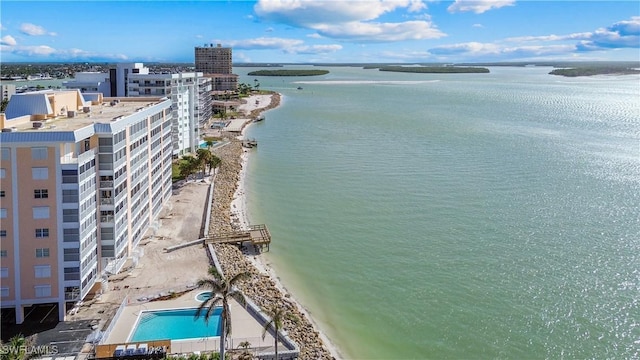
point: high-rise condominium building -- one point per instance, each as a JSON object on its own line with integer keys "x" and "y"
{"x": 214, "y": 59}
{"x": 217, "y": 62}
{"x": 81, "y": 182}
{"x": 191, "y": 103}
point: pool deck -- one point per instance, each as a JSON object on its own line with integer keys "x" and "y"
{"x": 244, "y": 327}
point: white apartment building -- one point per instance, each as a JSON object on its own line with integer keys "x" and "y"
{"x": 90, "y": 81}
{"x": 190, "y": 103}
{"x": 82, "y": 181}
{"x": 190, "y": 94}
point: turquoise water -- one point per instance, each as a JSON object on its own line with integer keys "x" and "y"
{"x": 204, "y": 296}
{"x": 175, "y": 324}
{"x": 456, "y": 216}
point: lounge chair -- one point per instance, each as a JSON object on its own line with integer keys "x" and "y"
{"x": 142, "y": 349}
{"x": 131, "y": 349}
{"x": 119, "y": 351}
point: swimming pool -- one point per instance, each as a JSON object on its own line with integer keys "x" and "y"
{"x": 204, "y": 145}
{"x": 175, "y": 324}
{"x": 204, "y": 296}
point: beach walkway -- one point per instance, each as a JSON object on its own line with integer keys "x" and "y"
{"x": 257, "y": 235}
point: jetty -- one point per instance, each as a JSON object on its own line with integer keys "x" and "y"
{"x": 257, "y": 235}
{"x": 249, "y": 143}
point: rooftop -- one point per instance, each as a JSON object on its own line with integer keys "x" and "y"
{"x": 105, "y": 112}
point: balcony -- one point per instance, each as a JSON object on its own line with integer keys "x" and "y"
{"x": 106, "y": 218}
{"x": 106, "y": 184}
{"x": 72, "y": 159}
{"x": 106, "y": 201}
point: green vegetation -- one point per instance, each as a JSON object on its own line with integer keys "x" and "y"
{"x": 435, "y": 69}
{"x": 17, "y": 348}
{"x": 288, "y": 72}
{"x": 189, "y": 165}
{"x": 590, "y": 71}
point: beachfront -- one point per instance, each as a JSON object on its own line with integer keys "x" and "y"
{"x": 158, "y": 273}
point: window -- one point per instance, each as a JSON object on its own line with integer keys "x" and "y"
{"x": 44, "y": 252}
{"x": 69, "y": 176}
{"x": 4, "y": 272}
{"x": 39, "y": 153}
{"x": 43, "y": 290}
{"x": 42, "y": 233}
{"x": 72, "y": 254}
{"x": 2, "y": 194}
{"x": 71, "y": 235}
{"x": 3, "y": 233}
{"x": 70, "y": 215}
{"x": 40, "y": 173}
{"x": 3, "y": 213}
{"x": 3, "y": 253}
{"x": 72, "y": 273}
{"x": 41, "y": 193}
{"x": 40, "y": 212}
{"x": 4, "y": 292}
{"x": 43, "y": 271}
{"x": 3, "y": 173}
{"x": 69, "y": 196}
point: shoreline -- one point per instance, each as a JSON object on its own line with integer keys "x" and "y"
{"x": 313, "y": 342}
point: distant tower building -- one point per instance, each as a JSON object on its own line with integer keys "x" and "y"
{"x": 217, "y": 63}
{"x": 214, "y": 60}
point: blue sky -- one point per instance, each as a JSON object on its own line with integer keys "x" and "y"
{"x": 406, "y": 31}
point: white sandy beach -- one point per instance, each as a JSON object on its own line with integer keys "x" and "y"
{"x": 239, "y": 211}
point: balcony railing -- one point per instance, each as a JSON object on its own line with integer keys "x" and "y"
{"x": 106, "y": 218}
{"x": 106, "y": 201}
{"x": 106, "y": 184}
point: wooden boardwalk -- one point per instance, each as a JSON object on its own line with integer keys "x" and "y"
{"x": 257, "y": 235}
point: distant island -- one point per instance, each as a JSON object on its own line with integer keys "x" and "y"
{"x": 288, "y": 72}
{"x": 591, "y": 71}
{"x": 435, "y": 69}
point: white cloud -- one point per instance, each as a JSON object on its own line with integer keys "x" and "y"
{"x": 476, "y": 50}
{"x": 34, "y": 30}
{"x": 263, "y": 43}
{"x": 477, "y": 25}
{"x": 47, "y": 52}
{"x": 478, "y": 6}
{"x": 350, "y": 20}
{"x": 622, "y": 34}
{"x": 381, "y": 32}
{"x": 8, "y": 40}
{"x": 288, "y": 46}
{"x": 314, "y": 49}
{"x": 575, "y": 36}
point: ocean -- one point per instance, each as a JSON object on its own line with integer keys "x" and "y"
{"x": 455, "y": 216}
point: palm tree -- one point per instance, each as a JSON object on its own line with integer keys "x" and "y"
{"x": 204, "y": 155}
{"x": 209, "y": 144}
{"x": 245, "y": 355}
{"x": 214, "y": 162}
{"x": 188, "y": 166}
{"x": 277, "y": 314}
{"x": 222, "y": 290}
